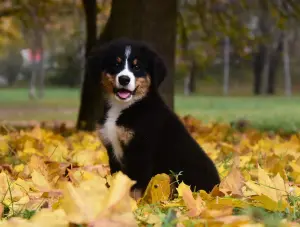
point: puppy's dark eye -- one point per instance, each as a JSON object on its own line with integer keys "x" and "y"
{"x": 118, "y": 63}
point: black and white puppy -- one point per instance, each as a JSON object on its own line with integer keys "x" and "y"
{"x": 142, "y": 135}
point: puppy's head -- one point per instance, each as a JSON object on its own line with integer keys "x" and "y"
{"x": 128, "y": 70}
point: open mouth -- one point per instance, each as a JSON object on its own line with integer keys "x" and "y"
{"x": 123, "y": 93}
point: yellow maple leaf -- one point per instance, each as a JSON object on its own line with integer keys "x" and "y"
{"x": 16, "y": 222}
{"x": 37, "y": 163}
{"x": 19, "y": 168}
{"x": 82, "y": 204}
{"x": 48, "y": 218}
{"x": 118, "y": 203}
{"x": 267, "y": 203}
{"x": 30, "y": 151}
{"x": 270, "y": 193}
{"x": 265, "y": 185}
{"x": 85, "y": 157}
{"x": 92, "y": 201}
{"x": 4, "y": 147}
{"x": 158, "y": 189}
{"x": 40, "y": 181}
{"x": 195, "y": 206}
{"x": 56, "y": 152}
{"x": 181, "y": 187}
{"x": 234, "y": 181}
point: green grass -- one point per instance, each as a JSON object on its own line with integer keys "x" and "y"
{"x": 58, "y": 104}
{"x": 262, "y": 112}
{"x": 53, "y": 97}
{"x": 62, "y": 104}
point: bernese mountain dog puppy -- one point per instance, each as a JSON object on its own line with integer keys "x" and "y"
{"x": 143, "y": 137}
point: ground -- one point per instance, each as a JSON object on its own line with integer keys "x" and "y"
{"x": 59, "y": 177}
{"x": 47, "y": 179}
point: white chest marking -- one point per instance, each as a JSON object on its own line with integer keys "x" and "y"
{"x": 110, "y": 128}
{"x": 109, "y": 131}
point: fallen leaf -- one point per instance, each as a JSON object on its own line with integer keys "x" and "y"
{"x": 232, "y": 184}
{"x": 157, "y": 190}
{"x": 195, "y": 206}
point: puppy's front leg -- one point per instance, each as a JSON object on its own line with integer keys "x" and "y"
{"x": 139, "y": 168}
{"x": 114, "y": 165}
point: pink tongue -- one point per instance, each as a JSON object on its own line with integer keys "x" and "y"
{"x": 124, "y": 94}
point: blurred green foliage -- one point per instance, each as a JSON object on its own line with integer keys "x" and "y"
{"x": 202, "y": 27}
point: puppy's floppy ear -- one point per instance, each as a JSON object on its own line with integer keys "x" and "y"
{"x": 160, "y": 70}
{"x": 157, "y": 67}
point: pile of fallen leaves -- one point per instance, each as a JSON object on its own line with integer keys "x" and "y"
{"x": 52, "y": 179}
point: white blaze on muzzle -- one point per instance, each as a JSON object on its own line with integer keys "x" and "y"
{"x": 126, "y": 72}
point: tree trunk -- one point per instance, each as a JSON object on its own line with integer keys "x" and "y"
{"x": 266, "y": 71}
{"x": 151, "y": 21}
{"x": 36, "y": 46}
{"x": 159, "y": 29}
{"x": 40, "y": 64}
{"x": 258, "y": 65}
{"x": 286, "y": 63}
{"x": 79, "y": 19}
{"x": 190, "y": 80}
{"x": 226, "y": 65}
{"x": 32, "y": 84}
{"x": 41, "y": 76}
{"x": 273, "y": 65}
{"x": 261, "y": 60}
{"x": 91, "y": 101}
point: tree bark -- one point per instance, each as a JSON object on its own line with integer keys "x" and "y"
{"x": 226, "y": 65}
{"x": 41, "y": 76}
{"x": 273, "y": 65}
{"x": 90, "y": 103}
{"x": 32, "y": 84}
{"x": 151, "y": 21}
{"x": 258, "y": 66}
{"x": 190, "y": 80}
{"x": 275, "y": 57}
{"x": 39, "y": 34}
{"x": 261, "y": 58}
{"x": 266, "y": 70}
{"x": 37, "y": 76}
{"x": 159, "y": 29}
{"x": 36, "y": 46}
{"x": 286, "y": 64}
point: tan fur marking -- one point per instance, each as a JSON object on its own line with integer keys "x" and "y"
{"x": 134, "y": 62}
{"x": 108, "y": 81}
{"x": 143, "y": 84}
{"x": 124, "y": 134}
{"x": 119, "y": 60}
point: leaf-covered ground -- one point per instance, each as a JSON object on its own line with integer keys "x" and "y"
{"x": 57, "y": 178}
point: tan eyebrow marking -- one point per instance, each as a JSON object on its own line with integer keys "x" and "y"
{"x": 134, "y": 62}
{"x": 119, "y": 60}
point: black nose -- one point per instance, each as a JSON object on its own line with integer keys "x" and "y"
{"x": 124, "y": 80}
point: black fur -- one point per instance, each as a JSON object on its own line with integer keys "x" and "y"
{"x": 161, "y": 142}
